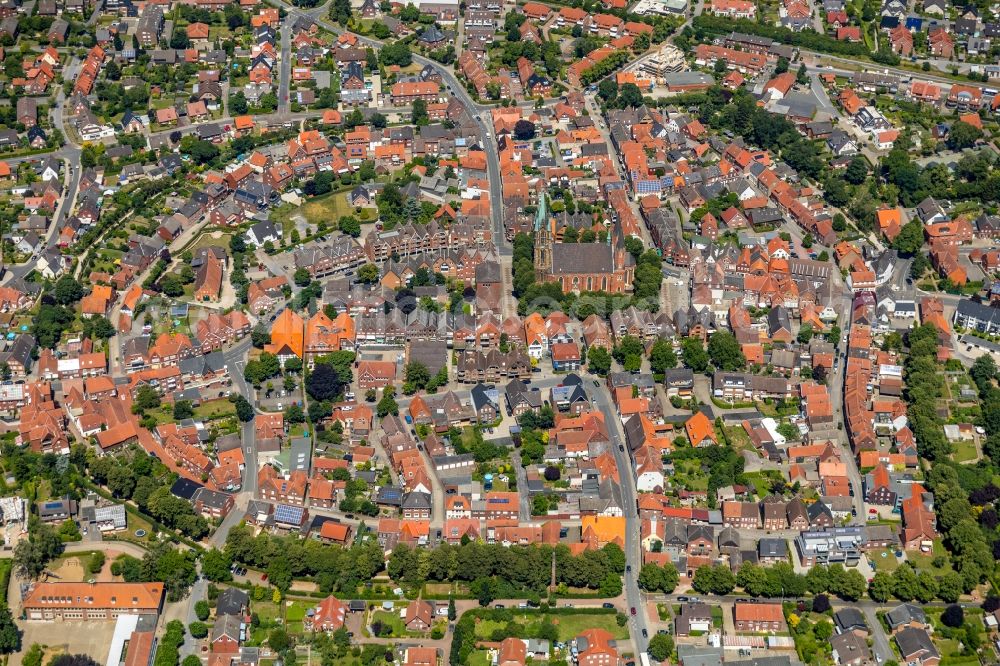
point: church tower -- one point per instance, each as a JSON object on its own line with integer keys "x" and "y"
{"x": 543, "y": 241}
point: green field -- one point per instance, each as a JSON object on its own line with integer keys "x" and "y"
{"x": 215, "y": 409}
{"x": 888, "y": 563}
{"x": 479, "y": 658}
{"x": 391, "y": 619}
{"x": 964, "y": 451}
{"x": 325, "y": 208}
{"x": 924, "y": 561}
{"x": 569, "y": 625}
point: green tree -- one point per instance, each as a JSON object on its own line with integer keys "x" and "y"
{"x": 857, "y": 170}
{"x": 910, "y": 238}
{"x": 662, "y": 356}
{"x": 244, "y": 410}
{"x": 881, "y": 586}
{"x": 34, "y": 656}
{"x": 146, "y": 398}
{"x": 198, "y": 629}
{"x": 67, "y": 290}
{"x": 963, "y": 135}
{"x": 661, "y": 646}
{"x": 387, "y": 405}
{"x": 694, "y": 354}
{"x": 278, "y": 640}
{"x": 598, "y": 361}
{"x": 302, "y": 277}
{"x": 10, "y": 635}
{"x": 215, "y": 566}
{"x": 725, "y": 351}
{"x": 368, "y": 273}
{"x": 183, "y": 410}
{"x": 202, "y": 610}
{"x": 96, "y": 562}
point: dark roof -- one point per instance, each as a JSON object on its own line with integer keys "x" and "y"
{"x": 582, "y": 258}
{"x": 849, "y": 619}
{"x": 231, "y": 601}
{"x": 184, "y": 488}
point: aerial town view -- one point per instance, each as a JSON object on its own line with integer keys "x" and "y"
{"x": 499, "y": 332}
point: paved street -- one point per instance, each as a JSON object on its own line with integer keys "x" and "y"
{"x": 633, "y": 559}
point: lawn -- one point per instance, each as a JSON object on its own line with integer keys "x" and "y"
{"x": 325, "y": 208}
{"x": 295, "y": 611}
{"x": 688, "y": 473}
{"x": 965, "y": 451}
{"x": 569, "y": 625}
{"x": 739, "y": 439}
{"x": 479, "y": 658}
{"x": 884, "y": 560}
{"x": 266, "y": 610}
{"x": 948, "y": 647}
{"x": 392, "y": 620}
{"x": 211, "y": 239}
{"x": 761, "y": 482}
{"x": 215, "y": 409}
{"x": 924, "y": 561}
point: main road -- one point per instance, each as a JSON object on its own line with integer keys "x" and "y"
{"x": 633, "y": 559}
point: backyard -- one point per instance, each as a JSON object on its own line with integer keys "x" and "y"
{"x": 326, "y": 208}
{"x": 964, "y": 451}
{"x": 569, "y": 625}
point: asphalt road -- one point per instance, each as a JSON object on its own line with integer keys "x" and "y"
{"x": 285, "y": 69}
{"x": 235, "y": 363}
{"x": 70, "y": 156}
{"x": 633, "y": 558}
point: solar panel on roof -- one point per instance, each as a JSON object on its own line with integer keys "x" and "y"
{"x": 288, "y": 514}
{"x": 53, "y": 505}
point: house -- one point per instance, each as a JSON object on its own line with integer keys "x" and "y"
{"x": 761, "y": 617}
{"x": 741, "y": 515}
{"x": 419, "y": 616}
{"x": 700, "y": 430}
{"x": 850, "y": 649}
{"x": 916, "y": 647}
{"x": 906, "y": 616}
{"x": 328, "y": 616}
{"x": 263, "y": 232}
{"x": 850, "y": 620}
{"x": 232, "y": 601}
{"x": 375, "y": 374}
{"x": 693, "y": 617}
{"x": 520, "y": 398}
{"x": 226, "y": 634}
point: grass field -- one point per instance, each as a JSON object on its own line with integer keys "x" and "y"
{"x": 761, "y": 482}
{"x": 965, "y": 451}
{"x": 215, "y": 409}
{"x": 391, "y": 619}
{"x": 884, "y": 560}
{"x": 924, "y": 561}
{"x": 569, "y": 625}
{"x": 326, "y": 208}
{"x": 479, "y": 658}
{"x": 209, "y": 239}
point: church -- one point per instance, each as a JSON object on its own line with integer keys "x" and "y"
{"x": 606, "y": 267}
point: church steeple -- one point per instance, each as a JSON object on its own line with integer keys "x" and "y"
{"x": 543, "y": 239}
